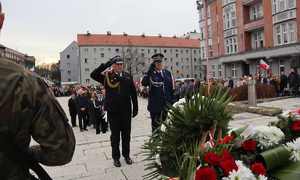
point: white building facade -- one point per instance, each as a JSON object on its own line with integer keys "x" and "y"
{"x": 182, "y": 56}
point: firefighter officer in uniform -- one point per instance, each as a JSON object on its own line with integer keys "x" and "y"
{"x": 120, "y": 103}
{"x": 161, "y": 88}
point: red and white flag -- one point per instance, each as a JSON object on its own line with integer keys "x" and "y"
{"x": 263, "y": 65}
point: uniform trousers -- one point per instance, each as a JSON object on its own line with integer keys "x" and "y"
{"x": 83, "y": 119}
{"x": 157, "y": 118}
{"x": 120, "y": 125}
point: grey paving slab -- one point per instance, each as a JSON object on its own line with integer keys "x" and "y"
{"x": 92, "y": 157}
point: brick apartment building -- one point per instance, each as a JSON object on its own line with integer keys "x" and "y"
{"x": 242, "y": 32}
{"x": 81, "y": 57}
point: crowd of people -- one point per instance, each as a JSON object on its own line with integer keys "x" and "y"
{"x": 88, "y": 105}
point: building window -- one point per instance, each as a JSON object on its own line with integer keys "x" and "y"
{"x": 256, "y": 11}
{"x": 86, "y": 50}
{"x": 233, "y": 70}
{"x": 282, "y": 5}
{"x": 69, "y": 79}
{"x": 87, "y": 81}
{"x": 165, "y": 51}
{"x": 143, "y": 55}
{"x": 102, "y": 54}
{"x": 285, "y": 33}
{"x": 257, "y": 39}
{"x": 155, "y": 50}
{"x": 87, "y": 70}
{"x": 109, "y": 49}
{"x": 231, "y": 45}
{"x": 69, "y": 72}
{"x": 176, "y": 55}
{"x": 220, "y": 70}
{"x": 117, "y": 50}
{"x": 95, "y": 50}
{"x": 85, "y": 60}
{"x": 229, "y": 16}
{"x": 68, "y": 56}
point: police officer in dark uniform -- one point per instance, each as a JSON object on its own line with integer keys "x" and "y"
{"x": 161, "y": 89}
{"x": 120, "y": 103}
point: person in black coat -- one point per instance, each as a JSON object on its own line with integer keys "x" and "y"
{"x": 98, "y": 112}
{"x": 161, "y": 90}
{"x": 83, "y": 105}
{"x": 293, "y": 80}
{"x": 230, "y": 83}
{"x": 283, "y": 83}
{"x": 120, "y": 103}
{"x": 73, "y": 109}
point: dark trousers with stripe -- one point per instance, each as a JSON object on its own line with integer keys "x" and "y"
{"x": 120, "y": 125}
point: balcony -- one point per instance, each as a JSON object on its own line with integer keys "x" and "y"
{"x": 250, "y": 2}
{"x": 252, "y": 25}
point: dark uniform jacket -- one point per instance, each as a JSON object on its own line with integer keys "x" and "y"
{"x": 72, "y": 105}
{"x": 121, "y": 98}
{"x": 160, "y": 90}
{"x": 28, "y": 109}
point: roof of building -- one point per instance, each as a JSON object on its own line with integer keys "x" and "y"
{"x": 134, "y": 40}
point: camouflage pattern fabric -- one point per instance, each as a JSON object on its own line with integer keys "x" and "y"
{"x": 28, "y": 110}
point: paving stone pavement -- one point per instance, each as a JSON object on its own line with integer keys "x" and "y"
{"x": 92, "y": 158}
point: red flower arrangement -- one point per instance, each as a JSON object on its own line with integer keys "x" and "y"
{"x": 212, "y": 158}
{"x": 258, "y": 168}
{"x": 206, "y": 173}
{"x": 226, "y": 156}
{"x": 227, "y": 166}
{"x": 295, "y": 127}
{"x": 226, "y": 140}
{"x": 249, "y": 145}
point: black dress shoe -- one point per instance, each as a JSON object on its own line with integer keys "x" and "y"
{"x": 117, "y": 163}
{"x": 128, "y": 160}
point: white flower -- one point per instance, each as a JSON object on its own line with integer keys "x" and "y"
{"x": 267, "y": 136}
{"x": 179, "y": 103}
{"x": 262, "y": 177}
{"x": 243, "y": 173}
{"x": 294, "y": 148}
{"x": 157, "y": 159}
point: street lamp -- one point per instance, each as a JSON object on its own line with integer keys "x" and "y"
{"x": 204, "y": 4}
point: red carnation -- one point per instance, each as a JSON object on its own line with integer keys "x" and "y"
{"x": 227, "y": 166}
{"x": 249, "y": 145}
{"x": 258, "y": 168}
{"x": 226, "y": 155}
{"x": 206, "y": 173}
{"x": 226, "y": 140}
{"x": 295, "y": 127}
{"x": 212, "y": 158}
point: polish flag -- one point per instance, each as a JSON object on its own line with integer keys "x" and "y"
{"x": 263, "y": 65}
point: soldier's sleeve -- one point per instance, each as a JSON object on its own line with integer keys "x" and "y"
{"x": 50, "y": 128}
{"x": 146, "y": 80}
{"x": 97, "y": 73}
{"x": 134, "y": 95}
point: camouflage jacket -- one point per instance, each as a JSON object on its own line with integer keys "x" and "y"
{"x": 29, "y": 110}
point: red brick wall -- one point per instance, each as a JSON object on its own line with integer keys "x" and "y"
{"x": 268, "y": 29}
{"x": 216, "y": 10}
{"x": 298, "y": 19}
{"x": 240, "y": 26}
{"x": 220, "y": 28}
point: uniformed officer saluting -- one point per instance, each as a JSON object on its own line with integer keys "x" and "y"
{"x": 161, "y": 89}
{"x": 120, "y": 92}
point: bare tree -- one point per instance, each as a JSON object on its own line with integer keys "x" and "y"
{"x": 135, "y": 61}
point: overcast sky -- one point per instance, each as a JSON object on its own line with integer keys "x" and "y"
{"x": 43, "y": 28}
